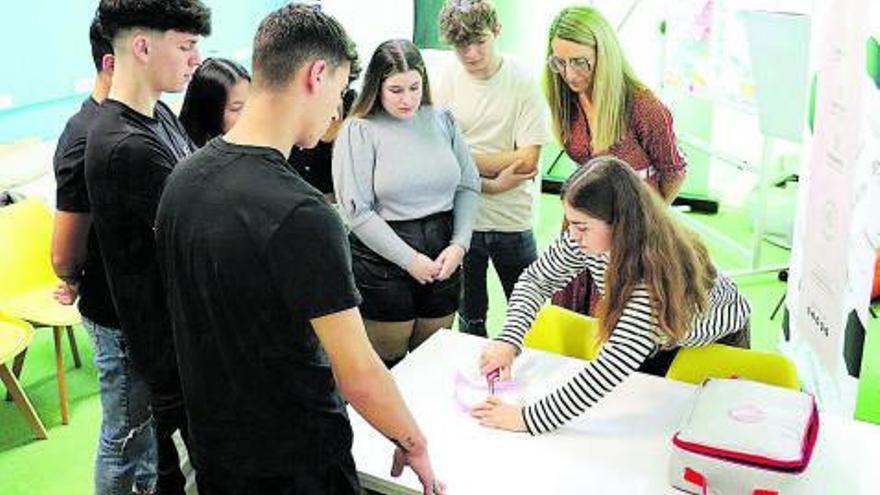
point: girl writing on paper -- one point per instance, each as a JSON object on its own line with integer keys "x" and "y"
{"x": 659, "y": 291}
{"x": 598, "y": 106}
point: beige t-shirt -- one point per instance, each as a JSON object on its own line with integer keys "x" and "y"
{"x": 503, "y": 113}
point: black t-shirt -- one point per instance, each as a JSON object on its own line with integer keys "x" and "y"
{"x": 314, "y": 165}
{"x": 71, "y": 196}
{"x": 250, "y": 253}
{"x": 128, "y": 158}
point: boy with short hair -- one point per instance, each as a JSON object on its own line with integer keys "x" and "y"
{"x": 503, "y": 119}
{"x": 134, "y": 143}
{"x": 261, "y": 293}
{"x": 76, "y": 259}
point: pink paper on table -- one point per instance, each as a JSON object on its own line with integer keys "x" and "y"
{"x": 471, "y": 389}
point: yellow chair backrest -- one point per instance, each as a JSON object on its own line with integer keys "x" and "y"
{"x": 565, "y": 332}
{"x": 25, "y": 246}
{"x": 15, "y": 335}
{"x": 696, "y": 364}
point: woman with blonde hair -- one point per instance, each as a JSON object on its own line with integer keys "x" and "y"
{"x": 661, "y": 292}
{"x": 599, "y": 107}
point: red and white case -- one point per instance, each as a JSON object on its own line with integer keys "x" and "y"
{"x": 744, "y": 438}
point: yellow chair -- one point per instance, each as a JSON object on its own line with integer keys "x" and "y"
{"x": 565, "y": 332}
{"x": 15, "y": 335}
{"x": 29, "y": 280}
{"x": 696, "y": 364}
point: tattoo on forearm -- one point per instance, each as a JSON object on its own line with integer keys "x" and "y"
{"x": 405, "y": 444}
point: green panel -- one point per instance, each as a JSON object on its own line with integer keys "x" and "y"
{"x": 555, "y": 165}
{"x": 868, "y": 400}
{"x": 426, "y": 33}
{"x": 693, "y": 122}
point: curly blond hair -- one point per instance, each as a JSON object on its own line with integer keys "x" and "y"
{"x": 464, "y": 22}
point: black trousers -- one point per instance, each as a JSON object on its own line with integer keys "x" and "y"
{"x": 169, "y": 415}
{"x": 332, "y": 478}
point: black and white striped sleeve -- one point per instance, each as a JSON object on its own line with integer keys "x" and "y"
{"x": 556, "y": 267}
{"x": 631, "y": 342}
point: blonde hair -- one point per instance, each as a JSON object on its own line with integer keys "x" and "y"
{"x": 613, "y": 78}
{"x": 647, "y": 246}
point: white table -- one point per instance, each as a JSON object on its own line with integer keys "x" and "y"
{"x": 622, "y": 446}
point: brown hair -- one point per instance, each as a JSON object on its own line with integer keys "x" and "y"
{"x": 647, "y": 246}
{"x": 464, "y": 22}
{"x": 294, "y": 35}
{"x": 390, "y": 58}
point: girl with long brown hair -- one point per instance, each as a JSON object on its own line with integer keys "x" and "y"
{"x": 660, "y": 292}
{"x": 408, "y": 188}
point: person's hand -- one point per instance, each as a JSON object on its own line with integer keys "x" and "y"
{"x": 419, "y": 462}
{"x": 509, "y": 177}
{"x": 65, "y": 293}
{"x": 499, "y": 356}
{"x": 449, "y": 261}
{"x": 423, "y": 269}
{"x": 496, "y": 414}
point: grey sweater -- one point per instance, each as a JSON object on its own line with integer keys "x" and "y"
{"x": 387, "y": 169}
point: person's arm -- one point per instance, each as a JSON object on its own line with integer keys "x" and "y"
{"x": 464, "y": 203}
{"x": 467, "y": 193}
{"x": 657, "y": 136}
{"x": 530, "y": 133}
{"x": 69, "y": 244}
{"x": 354, "y": 163}
{"x": 73, "y": 217}
{"x": 632, "y": 341}
{"x": 366, "y": 383}
{"x": 508, "y": 179}
{"x": 309, "y": 260}
{"x": 491, "y": 164}
{"x": 553, "y": 270}
{"x": 670, "y": 186}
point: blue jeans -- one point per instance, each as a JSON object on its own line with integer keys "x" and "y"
{"x": 127, "y": 447}
{"x": 510, "y": 253}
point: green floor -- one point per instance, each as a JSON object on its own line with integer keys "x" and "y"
{"x": 63, "y": 463}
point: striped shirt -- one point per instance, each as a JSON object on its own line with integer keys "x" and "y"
{"x": 634, "y": 338}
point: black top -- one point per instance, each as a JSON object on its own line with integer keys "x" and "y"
{"x": 314, "y": 165}
{"x": 128, "y": 158}
{"x": 71, "y": 196}
{"x": 250, "y": 253}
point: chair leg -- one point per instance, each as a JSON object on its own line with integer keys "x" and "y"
{"x": 778, "y": 305}
{"x": 16, "y": 370}
{"x": 62, "y": 380}
{"x": 71, "y": 338}
{"x": 23, "y": 403}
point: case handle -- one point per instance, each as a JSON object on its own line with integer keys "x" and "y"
{"x": 696, "y": 478}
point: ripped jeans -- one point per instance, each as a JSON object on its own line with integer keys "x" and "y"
{"x": 126, "y": 458}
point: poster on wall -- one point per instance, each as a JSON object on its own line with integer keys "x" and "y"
{"x": 836, "y": 230}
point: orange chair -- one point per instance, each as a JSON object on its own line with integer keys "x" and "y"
{"x": 29, "y": 280}
{"x": 15, "y": 335}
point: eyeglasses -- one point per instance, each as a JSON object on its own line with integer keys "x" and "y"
{"x": 558, "y": 65}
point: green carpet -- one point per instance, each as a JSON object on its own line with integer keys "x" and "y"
{"x": 63, "y": 464}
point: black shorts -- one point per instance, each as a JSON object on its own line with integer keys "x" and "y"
{"x": 389, "y": 292}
